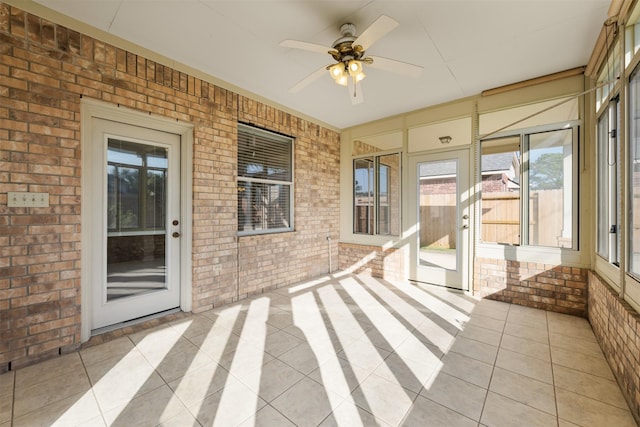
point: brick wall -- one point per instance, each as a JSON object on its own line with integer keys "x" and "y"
{"x": 374, "y": 260}
{"x": 490, "y": 183}
{"x": 548, "y": 287}
{"x": 494, "y": 183}
{"x": 359, "y": 148}
{"x": 273, "y": 260}
{"x": 45, "y": 69}
{"x": 438, "y": 186}
{"x": 39, "y": 151}
{"x": 617, "y": 329}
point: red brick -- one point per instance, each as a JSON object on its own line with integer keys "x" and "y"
{"x": 34, "y": 299}
{"x": 49, "y": 147}
{"x": 573, "y": 284}
{"x": 51, "y": 325}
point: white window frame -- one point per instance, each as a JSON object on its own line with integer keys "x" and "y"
{"x": 376, "y": 192}
{"x": 609, "y": 152}
{"x": 627, "y": 283}
{"x": 630, "y": 187}
{"x": 536, "y": 250}
{"x": 279, "y": 137}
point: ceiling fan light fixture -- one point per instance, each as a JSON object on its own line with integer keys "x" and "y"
{"x": 339, "y": 73}
{"x": 348, "y": 52}
{"x": 343, "y": 80}
{"x": 355, "y": 67}
{"x": 356, "y": 70}
{"x": 337, "y": 70}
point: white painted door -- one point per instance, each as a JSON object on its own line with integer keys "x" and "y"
{"x": 135, "y": 206}
{"x": 439, "y": 205}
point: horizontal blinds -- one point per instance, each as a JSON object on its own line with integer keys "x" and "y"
{"x": 265, "y": 181}
{"x": 263, "y": 207}
{"x": 264, "y": 155}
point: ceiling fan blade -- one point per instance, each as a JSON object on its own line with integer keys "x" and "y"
{"x": 310, "y": 47}
{"x": 308, "y": 80}
{"x": 375, "y": 31}
{"x": 394, "y": 66}
{"x": 355, "y": 92}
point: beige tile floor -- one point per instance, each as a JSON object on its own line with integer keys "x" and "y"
{"x": 342, "y": 350}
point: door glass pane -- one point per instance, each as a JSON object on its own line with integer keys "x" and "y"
{"x": 136, "y": 218}
{"x": 438, "y": 213}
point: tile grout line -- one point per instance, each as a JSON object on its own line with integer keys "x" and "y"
{"x": 555, "y": 388}
{"x": 93, "y": 393}
{"x": 511, "y": 309}
{"x": 283, "y": 415}
{"x": 418, "y": 394}
{"x": 493, "y": 367}
{"x": 39, "y": 382}
{"x": 553, "y": 377}
{"x": 13, "y": 398}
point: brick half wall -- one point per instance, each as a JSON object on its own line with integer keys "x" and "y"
{"x": 548, "y": 287}
{"x": 374, "y": 260}
{"x": 617, "y": 328}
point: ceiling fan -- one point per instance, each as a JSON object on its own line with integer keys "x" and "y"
{"x": 349, "y": 53}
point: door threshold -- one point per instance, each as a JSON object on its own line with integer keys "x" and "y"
{"x": 132, "y": 322}
{"x": 437, "y": 286}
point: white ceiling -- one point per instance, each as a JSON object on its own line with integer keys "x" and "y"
{"x": 465, "y": 46}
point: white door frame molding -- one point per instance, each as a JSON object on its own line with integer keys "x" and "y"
{"x": 90, "y": 109}
{"x": 460, "y": 278}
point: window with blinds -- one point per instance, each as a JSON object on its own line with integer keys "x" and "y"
{"x": 265, "y": 181}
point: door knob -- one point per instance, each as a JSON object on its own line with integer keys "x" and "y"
{"x": 175, "y": 222}
{"x": 464, "y": 227}
{"x": 465, "y": 216}
{"x": 175, "y": 234}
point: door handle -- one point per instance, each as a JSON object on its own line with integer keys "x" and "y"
{"x": 465, "y": 226}
{"x": 175, "y": 234}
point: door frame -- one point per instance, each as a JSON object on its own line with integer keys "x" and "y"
{"x": 109, "y": 312}
{"x": 465, "y": 188}
{"x": 90, "y": 109}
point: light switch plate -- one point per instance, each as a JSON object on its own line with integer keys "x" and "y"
{"x": 27, "y": 200}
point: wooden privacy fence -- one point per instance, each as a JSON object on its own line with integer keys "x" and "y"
{"x": 438, "y": 220}
{"x": 500, "y": 218}
{"x": 546, "y": 218}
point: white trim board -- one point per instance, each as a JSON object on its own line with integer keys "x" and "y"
{"x": 90, "y": 109}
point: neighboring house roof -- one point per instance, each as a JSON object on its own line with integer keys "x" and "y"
{"x": 497, "y": 162}
{"x": 438, "y": 169}
{"x": 500, "y": 162}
